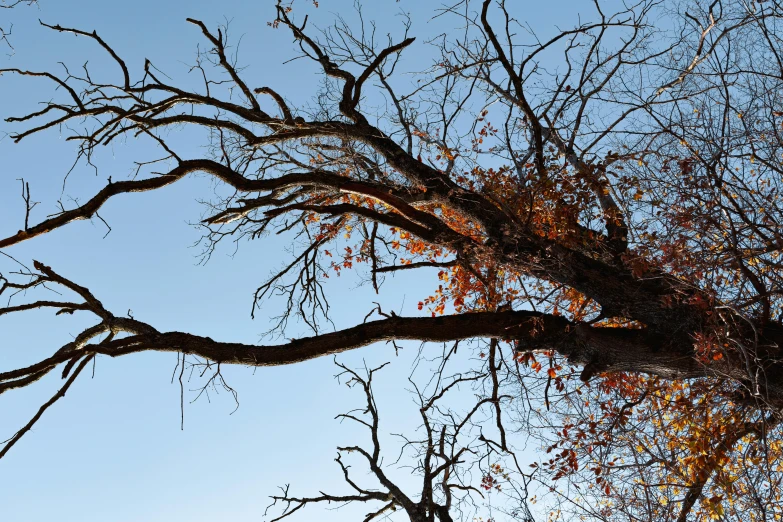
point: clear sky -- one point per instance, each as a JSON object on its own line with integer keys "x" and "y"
{"x": 112, "y": 450}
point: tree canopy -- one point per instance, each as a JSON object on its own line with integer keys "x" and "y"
{"x": 598, "y": 207}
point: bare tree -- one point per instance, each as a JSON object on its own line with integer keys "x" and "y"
{"x": 605, "y": 197}
{"x": 6, "y": 30}
{"x": 451, "y": 452}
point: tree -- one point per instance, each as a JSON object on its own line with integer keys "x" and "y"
{"x": 5, "y": 31}
{"x": 452, "y": 453}
{"x": 605, "y": 198}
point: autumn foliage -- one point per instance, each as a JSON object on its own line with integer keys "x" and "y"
{"x": 599, "y": 209}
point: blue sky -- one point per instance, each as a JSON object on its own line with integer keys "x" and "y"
{"x": 112, "y": 450}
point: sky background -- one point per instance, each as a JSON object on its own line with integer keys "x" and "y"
{"x": 112, "y": 450}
